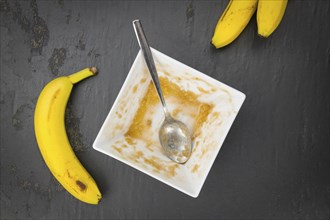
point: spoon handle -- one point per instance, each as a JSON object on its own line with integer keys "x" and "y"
{"x": 149, "y": 60}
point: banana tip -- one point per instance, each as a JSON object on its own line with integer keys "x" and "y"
{"x": 94, "y": 70}
{"x": 263, "y": 34}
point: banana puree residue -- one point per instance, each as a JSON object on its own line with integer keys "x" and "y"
{"x": 186, "y": 102}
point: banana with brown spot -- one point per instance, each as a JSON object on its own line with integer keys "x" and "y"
{"x": 53, "y": 142}
{"x": 233, "y": 21}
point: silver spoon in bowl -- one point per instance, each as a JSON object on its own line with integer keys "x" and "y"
{"x": 174, "y": 135}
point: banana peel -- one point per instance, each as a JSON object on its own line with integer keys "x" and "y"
{"x": 53, "y": 142}
{"x": 233, "y": 21}
{"x": 269, "y": 15}
{"x": 238, "y": 13}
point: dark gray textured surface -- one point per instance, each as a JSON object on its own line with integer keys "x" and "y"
{"x": 275, "y": 161}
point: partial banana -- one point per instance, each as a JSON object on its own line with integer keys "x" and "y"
{"x": 269, "y": 15}
{"x": 53, "y": 141}
{"x": 233, "y": 21}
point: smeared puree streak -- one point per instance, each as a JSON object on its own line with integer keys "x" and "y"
{"x": 186, "y": 99}
{"x": 186, "y": 103}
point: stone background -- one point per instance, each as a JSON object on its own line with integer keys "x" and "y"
{"x": 275, "y": 162}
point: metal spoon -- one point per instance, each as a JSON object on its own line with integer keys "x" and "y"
{"x": 173, "y": 134}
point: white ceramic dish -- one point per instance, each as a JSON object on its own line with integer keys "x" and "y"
{"x": 213, "y": 101}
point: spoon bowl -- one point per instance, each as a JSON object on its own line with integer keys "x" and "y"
{"x": 174, "y": 135}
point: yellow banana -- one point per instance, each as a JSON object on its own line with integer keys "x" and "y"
{"x": 53, "y": 141}
{"x": 233, "y": 21}
{"x": 269, "y": 15}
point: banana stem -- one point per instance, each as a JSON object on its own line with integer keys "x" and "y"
{"x": 82, "y": 74}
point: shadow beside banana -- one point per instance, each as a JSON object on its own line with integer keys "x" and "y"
{"x": 53, "y": 142}
{"x": 238, "y": 14}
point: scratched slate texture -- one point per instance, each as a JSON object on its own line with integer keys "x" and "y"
{"x": 275, "y": 162}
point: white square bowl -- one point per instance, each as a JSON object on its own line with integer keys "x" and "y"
{"x": 145, "y": 153}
